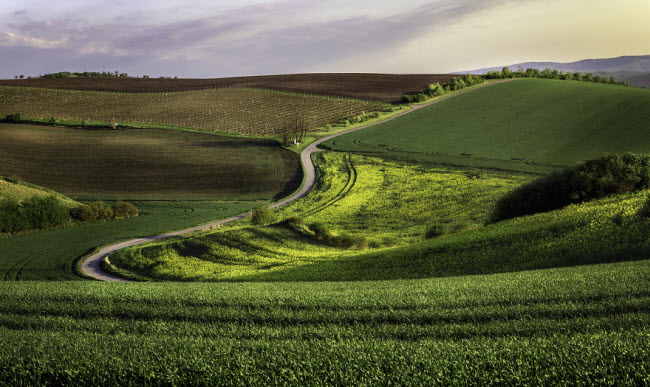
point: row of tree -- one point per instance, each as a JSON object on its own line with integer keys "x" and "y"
{"x": 88, "y": 74}
{"x": 436, "y": 89}
{"x": 103, "y": 74}
{"x": 549, "y": 73}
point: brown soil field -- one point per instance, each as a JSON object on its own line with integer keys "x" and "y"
{"x": 375, "y": 87}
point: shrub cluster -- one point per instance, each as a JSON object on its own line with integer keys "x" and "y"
{"x": 96, "y": 74}
{"x": 344, "y": 240}
{"x": 102, "y": 211}
{"x": 436, "y": 89}
{"x": 124, "y": 210}
{"x": 644, "y": 212}
{"x": 435, "y": 231}
{"x": 262, "y": 216}
{"x": 611, "y": 174}
{"x": 34, "y": 213}
{"x": 16, "y": 117}
{"x": 548, "y": 73}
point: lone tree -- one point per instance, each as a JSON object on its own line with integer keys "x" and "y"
{"x": 295, "y": 131}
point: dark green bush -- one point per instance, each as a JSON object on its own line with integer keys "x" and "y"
{"x": 294, "y": 222}
{"x": 390, "y": 242}
{"x": 44, "y": 212}
{"x": 33, "y": 213}
{"x": 124, "y": 210}
{"x": 434, "y": 231}
{"x": 93, "y": 211}
{"x": 16, "y": 117}
{"x": 349, "y": 242}
{"x": 12, "y": 216}
{"x": 320, "y": 232}
{"x": 609, "y": 175}
{"x": 262, "y": 216}
{"x": 644, "y": 212}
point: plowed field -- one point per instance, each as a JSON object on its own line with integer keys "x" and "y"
{"x": 376, "y": 87}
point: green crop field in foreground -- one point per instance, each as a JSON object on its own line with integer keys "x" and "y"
{"x": 147, "y": 164}
{"x": 527, "y": 125}
{"x": 246, "y": 111}
{"x": 374, "y": 208}
{"x": 51, "y": 254}
{"x": 581, "y": 325}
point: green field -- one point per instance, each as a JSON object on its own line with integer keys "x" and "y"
{"x": 396, "y": 201}
{"x": 147, "y": 164}
{"x": 231, "y": 110}
{"x": 349, "y": 286}
{"x": 384, "y": 202}
{"x": 528, "y": 125}
{"x": 50, "y": 255}
{"x": 578, "y": 325}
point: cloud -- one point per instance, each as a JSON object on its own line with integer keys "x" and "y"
{"x": 290, "y": 36}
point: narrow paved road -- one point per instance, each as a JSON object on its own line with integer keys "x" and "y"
{"x": 91, "y": 266}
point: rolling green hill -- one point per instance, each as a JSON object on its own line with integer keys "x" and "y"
{"x": 529, "y": 125}
{"x": 382, "y": 203}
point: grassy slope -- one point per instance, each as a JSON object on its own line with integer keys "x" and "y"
{"x": 147, "y": 164}
{"x": 585, "y": 324}
{"x": 19, "y": 190}
{"x": 602, "y": 231}
{"x": 50, "y": 255}
{"x": 528, "y": 125}
{"x": 607, "y": 230}
{"x": 365, "y": 197}
{"x": 377, "y": 199}
{"x": 246, "y": 111}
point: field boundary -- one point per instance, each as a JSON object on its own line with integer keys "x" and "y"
{"x": 91, "y": 266}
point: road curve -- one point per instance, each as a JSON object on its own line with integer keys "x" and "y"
{"x": 92, "y": 265}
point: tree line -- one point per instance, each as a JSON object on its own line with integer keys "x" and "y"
{"x": 549, "y": 73}
{"x": 437, "y": 89}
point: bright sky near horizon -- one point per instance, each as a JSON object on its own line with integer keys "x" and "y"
{"x": 250, "y": 37}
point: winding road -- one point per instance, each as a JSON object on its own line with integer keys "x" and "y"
{"x": 92, "y": 265}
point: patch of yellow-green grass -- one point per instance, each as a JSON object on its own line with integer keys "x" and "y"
{"x": 20, "y": 191}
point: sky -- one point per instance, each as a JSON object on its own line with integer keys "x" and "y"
{"x": 220, "y": 38}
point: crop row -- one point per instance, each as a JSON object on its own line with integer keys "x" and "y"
{"x": 234, "y": 110}
{"x": 571, "y": 325}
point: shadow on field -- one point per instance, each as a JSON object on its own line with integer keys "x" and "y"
{"x": 442, "y": 259}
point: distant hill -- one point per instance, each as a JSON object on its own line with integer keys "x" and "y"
{"x": 633, "y": 69}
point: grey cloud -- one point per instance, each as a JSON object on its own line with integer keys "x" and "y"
{"x": 250, "y": 40}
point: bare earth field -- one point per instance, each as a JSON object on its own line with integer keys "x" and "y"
{"x": 376, "y": 87}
